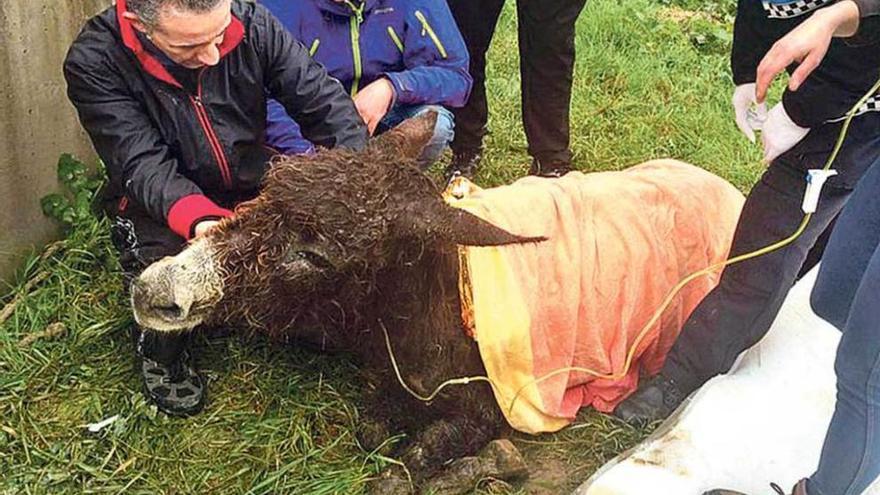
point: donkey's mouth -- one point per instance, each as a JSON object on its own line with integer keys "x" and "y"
{"x": 163, "y": 315}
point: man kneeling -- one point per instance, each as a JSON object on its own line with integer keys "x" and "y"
{"x": 173, "y": 95}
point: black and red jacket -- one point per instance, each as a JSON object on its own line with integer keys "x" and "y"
{"x": 186, "y": 145}
{"x": 846, "y": 73}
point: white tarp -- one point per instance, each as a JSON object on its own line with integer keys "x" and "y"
{"x": 764, "y": 422}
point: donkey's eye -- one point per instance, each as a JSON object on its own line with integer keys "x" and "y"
{"x": 307, "y": 237}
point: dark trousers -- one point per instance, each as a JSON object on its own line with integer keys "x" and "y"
{"x": 740, "y": 310}
{"x": 547, "y": 54}
{"x": 140, "y": 241}
{"x": 846, "y": 294}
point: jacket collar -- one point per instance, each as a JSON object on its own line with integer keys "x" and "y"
{"x": 152, "y": 65}
{"x": 342, "y": 8}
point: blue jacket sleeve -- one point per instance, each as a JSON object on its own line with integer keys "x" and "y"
{"x": 316, "y": 101}
{"x": 435, "y": 57}
{"x": 283, "y": 133}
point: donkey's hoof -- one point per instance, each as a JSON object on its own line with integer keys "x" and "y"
{"x": 390, "y": 483}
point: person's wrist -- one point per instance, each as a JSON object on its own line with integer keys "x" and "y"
{"x": 390, "y": 86}
{"x": 840, "y": 20}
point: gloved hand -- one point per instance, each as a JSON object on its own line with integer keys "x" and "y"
{"x": 748, "y": 120}
{"x": 780, "y": 134}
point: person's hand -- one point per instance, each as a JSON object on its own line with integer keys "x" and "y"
{"x": 373, "y": 102}
{"x": 743, "y": 100}
{"x": 780, "y": 134}
{"x": 204, "y": 226}
{"x": 807, "y": 44}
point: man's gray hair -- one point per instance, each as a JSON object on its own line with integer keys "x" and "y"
{"x": 148, "y": 10}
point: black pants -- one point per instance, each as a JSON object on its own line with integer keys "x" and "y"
{"x": 740, "y": 310}
{"x": 140, "y": 241}
{"x": 547, "y": 54}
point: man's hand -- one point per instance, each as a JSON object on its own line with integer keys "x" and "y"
{"x": 204, "y": 226}
{"x": 780, "y": 134}
{"x": 374, "y": 101}
{"x": 743, "y": 99}
{"x": 807, "y": 44}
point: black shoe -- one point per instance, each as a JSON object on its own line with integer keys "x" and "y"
{"x": 549, "y": 169}
{"x": 177, "y": 390}
{"x": 653, "y": 401}
{"x": 464, "y": 163}
{"x": 799, "y": 489}
{"x": 175, "y": 387}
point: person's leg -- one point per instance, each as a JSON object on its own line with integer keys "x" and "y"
{"x": 476, "y": 19}
{"x": 847, "y": 293}
{"x": 817, "y": 251}
{"x": 547, "y": 55}
{"x": 852, "y": 244}
{"x": 443, "y": 129}
{"x": 169, "y": 379}
{"x": 739, "y": 311}
{"x": 850, "y": 459}
{"x": 848, "y": 279}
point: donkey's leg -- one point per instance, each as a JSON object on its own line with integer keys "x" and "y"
{"x": 443, "y": 440}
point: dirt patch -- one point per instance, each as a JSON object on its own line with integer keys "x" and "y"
{"x": 560, "y": 462}
{"x": 549, "y": 474}
{"x": 679, "y": 15}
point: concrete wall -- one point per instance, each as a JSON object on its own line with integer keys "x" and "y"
{"x": 37, "y": 123}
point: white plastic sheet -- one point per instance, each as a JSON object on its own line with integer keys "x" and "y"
{"x": 764, "y": 422}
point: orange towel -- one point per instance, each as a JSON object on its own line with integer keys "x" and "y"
{"x": 617, "y": 243}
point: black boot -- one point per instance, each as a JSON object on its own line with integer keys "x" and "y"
{"x": 549, "y": 168}
{"x": 169, "y": 379}
{"x": 464, "y": 163}
{"x": 799, "y": 489}
{"x": 653, "y": 401}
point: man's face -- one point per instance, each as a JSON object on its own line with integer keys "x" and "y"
{"x": 190, "y": 39}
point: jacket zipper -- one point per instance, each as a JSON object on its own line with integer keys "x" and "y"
{"x": 356, "y": 21}
{"x": 426, "y": 28}
{"x": 395, "y": 38}
{"x": 213, "y": 141}
{"x": 314, "y": 48}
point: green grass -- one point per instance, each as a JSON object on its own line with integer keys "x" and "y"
{"x": 650, "y": 83}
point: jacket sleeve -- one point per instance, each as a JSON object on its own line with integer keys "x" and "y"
{"x": 869, "y": 23}
{"x": 435, "y": 57}
{"x": 131, "y": 147}
{"x": 753, "y": 35}
{"x": 868, "y": 8}
{"x": 748, "y": 47}
{"x": 846, "y": 73}
{"x": 823, "y": 96}
{"x": 317, "y": 102}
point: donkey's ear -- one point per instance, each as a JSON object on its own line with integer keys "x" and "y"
{"x": 408, "y": 139}
{"x": 435, "y": 221}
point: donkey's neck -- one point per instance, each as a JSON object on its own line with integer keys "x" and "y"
{"x": 419, "y": 307}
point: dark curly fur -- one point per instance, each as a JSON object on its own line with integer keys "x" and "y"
{"x": 343, "y": 243}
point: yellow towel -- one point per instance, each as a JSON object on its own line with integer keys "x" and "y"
{"x": 617, "y": 243}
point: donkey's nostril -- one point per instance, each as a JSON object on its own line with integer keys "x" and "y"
{"x": 170, "y": 311}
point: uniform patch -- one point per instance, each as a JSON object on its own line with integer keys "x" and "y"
{"x": 788, "y": 10}
{"x": 871, "y": 105}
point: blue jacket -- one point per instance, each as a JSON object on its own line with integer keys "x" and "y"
{"x": 414, "y": 43}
